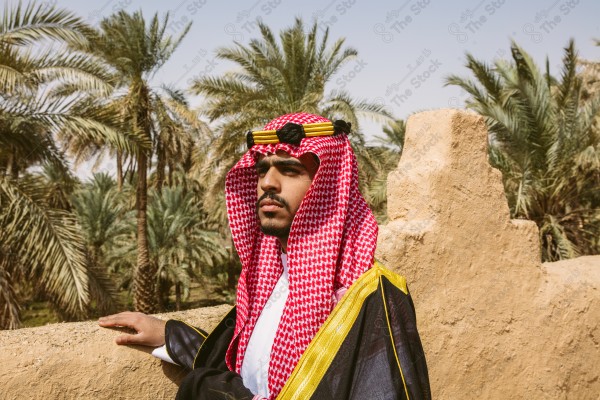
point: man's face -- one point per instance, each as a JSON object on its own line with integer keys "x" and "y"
{"x": 283, "y": 181}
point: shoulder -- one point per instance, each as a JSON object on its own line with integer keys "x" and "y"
{"x": 378, "y": 281}
{"x": 376, "y": 276}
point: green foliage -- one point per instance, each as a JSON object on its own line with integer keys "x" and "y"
{"x": 181, "y": 247}
{"x": 21, "y": 27}
{"x": 543, "y": 141}
{"x": 93, "y": 97}
{"x": 35, "y": 104}
{"x": 101, "y": 213}
{"x": 378, "y": 162}
{"x": 274, "y": 77}
{"x": 42, "y": 245}
{"x": 135, "y": 49}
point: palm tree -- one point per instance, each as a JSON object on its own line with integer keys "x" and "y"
{"x": 38, "y": 95}
{"x": 101, "y": 213}
{"x": 381, "y": 160}
{"x": 274, "y": 78}
{"x": 136, "y": 50}
{"x": 40, "y": 242}
{"x": 180, "y": 245}
{"x": 60, "y": 184}
{"x": 543, "y": 141}
{"x": 393, "y": 137}
{"x": 181, "y": 132}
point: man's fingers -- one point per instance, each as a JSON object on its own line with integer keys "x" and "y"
{"x": 149, "y": 331}
{"x": 127, "y": 339}
{"x": 122, "y": 319}
{"x": 106, "y": 321}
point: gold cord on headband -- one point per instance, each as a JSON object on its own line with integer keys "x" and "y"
{"x": 294, "y": 133}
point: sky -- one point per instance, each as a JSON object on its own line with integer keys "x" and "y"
{"x": 406, "y": 48}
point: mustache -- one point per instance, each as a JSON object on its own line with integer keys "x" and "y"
{"x": 273, "y": 196}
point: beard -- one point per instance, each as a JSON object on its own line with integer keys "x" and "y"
{"x": 277, "y": 231}
{"x": 269, "y": 228}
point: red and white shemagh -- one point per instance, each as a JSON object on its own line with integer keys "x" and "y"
{"x": 331, "y": 243}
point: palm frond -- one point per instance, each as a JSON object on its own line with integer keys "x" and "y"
{"x": 48, "y": 240}
{"x": 24, "y": 25}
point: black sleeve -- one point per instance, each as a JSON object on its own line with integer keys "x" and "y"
{"x": 183, "y": 342}
{"x": 205, "y": 354}
{"x": 213, "y": 384}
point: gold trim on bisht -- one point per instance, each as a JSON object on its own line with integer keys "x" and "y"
{"x": 319, "y": 354}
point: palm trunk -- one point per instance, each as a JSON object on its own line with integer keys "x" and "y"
{"x": 144, "y": 298}
{"x": 162, "y": 294}
{"x": 144, "y": 295}
{"x": 178, "y": 296}
{"x": 119, "y": 170}
{"x": 160, "y": 169}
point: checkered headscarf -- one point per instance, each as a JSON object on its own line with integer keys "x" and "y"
{"x": 331, "y": 243}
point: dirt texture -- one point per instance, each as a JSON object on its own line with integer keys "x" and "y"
{"x": 81, "y": 361}
{"x": 495, "y": 323}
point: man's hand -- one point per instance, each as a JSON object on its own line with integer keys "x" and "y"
{"x": 150, "y": 331}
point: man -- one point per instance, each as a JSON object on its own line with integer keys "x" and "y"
{"x": 314, "y": 318}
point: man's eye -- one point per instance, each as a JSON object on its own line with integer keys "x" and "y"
{"x": 291, "y": 171}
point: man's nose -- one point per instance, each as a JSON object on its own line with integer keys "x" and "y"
{"x": 270, "y": 182}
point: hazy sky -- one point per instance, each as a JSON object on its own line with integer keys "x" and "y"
{"x": 405, "y": 48}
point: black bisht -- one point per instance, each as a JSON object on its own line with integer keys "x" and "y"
{"x": 369, "y": 348}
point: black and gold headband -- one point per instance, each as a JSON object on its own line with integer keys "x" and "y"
{"x": 294, "y": 133}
